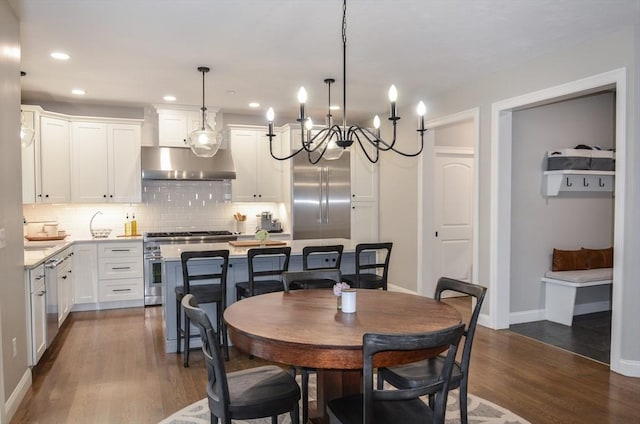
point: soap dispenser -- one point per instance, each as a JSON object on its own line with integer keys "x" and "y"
{"x": 127, "y": 227}
{"x": 134, "y": 225}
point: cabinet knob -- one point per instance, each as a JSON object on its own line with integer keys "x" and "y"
{"x": 353, "y": 207}
{"x": 353, "y": 195}
{"x": 111, "y": 195}
{"x": 104, "y": 195}
{"x": 46, "y": 195}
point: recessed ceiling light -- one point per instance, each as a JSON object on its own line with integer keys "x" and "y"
{"x": 60, "y": 55}
{"x": 78, "y": 92}
{"x": 169, "y": 98}
{"x": 334, "y": 107}
{"x": 254, "y": 104}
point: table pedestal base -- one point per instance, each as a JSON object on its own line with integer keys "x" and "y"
{"x": 333, "y": 384}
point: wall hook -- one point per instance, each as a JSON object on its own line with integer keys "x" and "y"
{"x": 584, "y": 182}
{"x": 600, "y": 183}
{"x": 569, "y": 184}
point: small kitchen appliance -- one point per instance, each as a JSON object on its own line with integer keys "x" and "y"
{"x": 269, "y": 224}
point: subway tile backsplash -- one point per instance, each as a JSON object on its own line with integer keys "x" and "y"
{"x": 166, "y": 206}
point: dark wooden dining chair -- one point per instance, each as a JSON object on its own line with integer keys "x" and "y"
{"x": 392, "y": 406}
{"x": 422, "y": 372}
{"x": 193, "y": 269}
{"x": 265, "y": 391}
{"x": 262, "y": 280}
{"x": 300, "y": 280}
{"x": 364, "y": 278}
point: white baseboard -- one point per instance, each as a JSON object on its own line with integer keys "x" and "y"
{"x": 393, "y": 287}
{"x": 526, "y": 316}
{"x": 626, "y": 367}
{"x": 12, "y": 404}
{"x": 81, "y": 307}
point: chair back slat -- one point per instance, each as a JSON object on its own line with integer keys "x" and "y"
{"x": 334, "y": 251}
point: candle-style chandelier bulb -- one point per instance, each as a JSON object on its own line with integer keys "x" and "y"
{"x": 393, "y": 93}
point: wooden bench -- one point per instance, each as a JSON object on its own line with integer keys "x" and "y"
{"x": 561, "y": 288}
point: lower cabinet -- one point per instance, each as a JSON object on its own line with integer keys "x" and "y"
{"x": 37, "y": 314}
{"x": 65, "y": 286}
{"x": 120, "y": 272}
{"x": 85, "y": 268}
{"x": 108, "y": 275}
{"x": 364, "y": 221}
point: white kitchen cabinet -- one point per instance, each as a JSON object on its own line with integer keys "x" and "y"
{"x": 364, "y": 175}
{"x": 85, "y": 268}
{"x": 64, "y": 273}
{"x": 120, "y": 272}
{"x": 258, "y": 175}
{"x": 116, "y": 179}
{"x": 54, "y": 182}
{"x": 37, "y": 316}
{"x": 364, "y": 221}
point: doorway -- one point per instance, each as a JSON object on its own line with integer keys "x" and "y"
{"x": 501, "y": 220}
{"x": 448, "y": 201}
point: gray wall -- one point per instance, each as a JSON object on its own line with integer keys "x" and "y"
{"x": 568, "y": 221}
{"x": 606, "y": 53}
{"x": 459, "y": 134}
{"x": 12, "y": 288}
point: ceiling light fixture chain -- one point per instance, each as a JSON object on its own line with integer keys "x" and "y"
{"x": 204, "y": 141}
{"x": 332, "y": 140}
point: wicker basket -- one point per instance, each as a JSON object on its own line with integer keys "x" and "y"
{"x": 100, "y": 232}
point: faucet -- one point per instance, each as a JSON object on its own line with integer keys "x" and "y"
{"x": 91, "y": 222}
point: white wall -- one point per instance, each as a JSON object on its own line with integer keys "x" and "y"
{"x": 12, "y": 287}
{"x": 606, "y": 53}
{"x": 568, "y": 221}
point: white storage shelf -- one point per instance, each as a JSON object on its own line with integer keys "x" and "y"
{"x": 578, "y": 180}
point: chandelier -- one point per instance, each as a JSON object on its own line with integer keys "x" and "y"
{"x": 204, "y": 141}
{"x": 332, "y": 140}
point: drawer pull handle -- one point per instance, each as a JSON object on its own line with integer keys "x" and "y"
{"x": 121, "y": 250}
{"x": 121, "y": 290}
{"x": 121, "y": 267}
{"x": 39, "y": 277}
{"x": 40, "y": 293}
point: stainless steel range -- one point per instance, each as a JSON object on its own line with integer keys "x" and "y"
{"x": 153, "y": 259}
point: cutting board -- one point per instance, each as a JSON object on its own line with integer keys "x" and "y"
{"x": 45, "y": 238}
{"x": 255, "y": 243}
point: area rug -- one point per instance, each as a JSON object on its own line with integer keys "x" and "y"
{"x": 480, "y": 411}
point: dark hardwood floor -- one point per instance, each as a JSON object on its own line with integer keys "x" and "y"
{"x": 110, "y": 367}
{"x": 590, "y": 334}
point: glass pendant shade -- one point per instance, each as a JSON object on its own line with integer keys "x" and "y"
{"x": 204, "y": 141}
{"x": 26, "y": 134}
{"x": 333, "y": 151}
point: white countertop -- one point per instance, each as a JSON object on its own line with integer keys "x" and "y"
{"x": 36, "y": 252}
{"x": 171, "y": 252}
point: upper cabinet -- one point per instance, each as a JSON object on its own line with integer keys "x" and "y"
{"x": 174, "y": 125}
{"x": 116, "y": 179}
{"x": 364, "y": 176}
{"x": 53, "y": 184}
{"x": 258, "y": 175}
{"x": 79, "y": 159}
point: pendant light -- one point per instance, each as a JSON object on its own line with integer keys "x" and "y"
{"x": 27, "y": 134}
{"x": 204, "y": 141}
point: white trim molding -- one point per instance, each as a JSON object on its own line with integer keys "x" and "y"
{"x": 19, "y": 393}
{"x": 425, "y": 191}
{"x": 500, "y": 234}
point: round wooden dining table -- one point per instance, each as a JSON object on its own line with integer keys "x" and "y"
{"x": 305, "y": 328}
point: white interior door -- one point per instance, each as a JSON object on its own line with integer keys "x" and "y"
{"x": 453, "y": 216}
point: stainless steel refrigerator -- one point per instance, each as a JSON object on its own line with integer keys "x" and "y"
{"x": 321, "y": 198}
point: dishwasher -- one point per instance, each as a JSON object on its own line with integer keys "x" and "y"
{"x": 52, "y": 266}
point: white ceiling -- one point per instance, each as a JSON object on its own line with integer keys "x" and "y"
{"x": 132, "y": 52}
